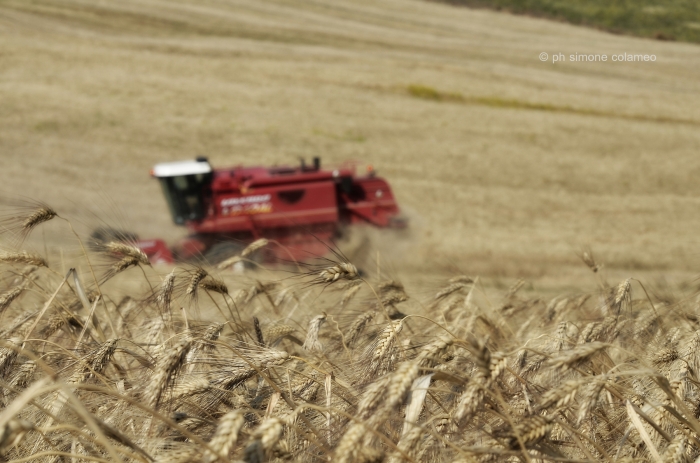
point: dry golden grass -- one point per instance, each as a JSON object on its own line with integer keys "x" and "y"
{"x": 500, "y": 160}
{"x": 136, "y": 369}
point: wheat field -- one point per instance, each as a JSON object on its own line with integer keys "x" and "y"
{"x": 316, "y": 362}
{"x": 542, "y": 305}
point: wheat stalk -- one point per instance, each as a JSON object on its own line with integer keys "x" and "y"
{"x": 9, "y": 354}
{"x": 226, "y": 435}
{"x": 166, "y": 372}
{"x": 254, "y": 246}
{"x": 22, "y": 258}
{"x": 8, "y": 297}
{"x": 126, "y": 250}
{"x": 264, "y": 437}
{"x": 342, "y": 271}
{"x": 39, "y": 216}
{"x": 574, "y": 357}
{"x": 275, "y": 333}
{"x": 531, "y": 430}
{"x": 358, "y": 326}
{"x": 384, "y": 345}
{"x": 446, "y": 291}
{"x": 197, "y": 276}
{"x": 165, "y": 294}
{"x": 312, "y": 343}
{"x": 214, "y": 285}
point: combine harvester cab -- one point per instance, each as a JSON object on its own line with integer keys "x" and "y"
{"x": 300, "y": 208}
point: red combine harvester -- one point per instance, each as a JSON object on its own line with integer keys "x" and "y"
{"x": 300, "y": 208}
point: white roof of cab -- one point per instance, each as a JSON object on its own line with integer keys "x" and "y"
{"x": 174, "y": 169}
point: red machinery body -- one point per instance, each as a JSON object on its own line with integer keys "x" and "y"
{"x": 301, "y": 208}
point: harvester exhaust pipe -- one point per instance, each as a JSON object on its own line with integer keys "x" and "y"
{"x": 317, "y": 163}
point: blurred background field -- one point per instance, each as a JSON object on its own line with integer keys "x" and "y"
{"x": 505, "y": 165}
